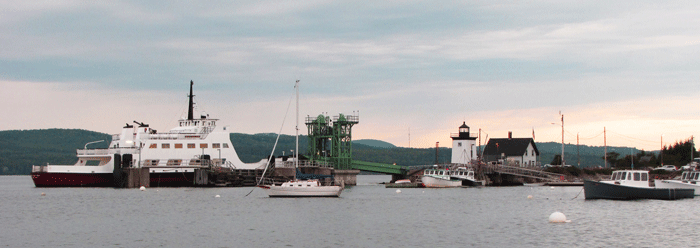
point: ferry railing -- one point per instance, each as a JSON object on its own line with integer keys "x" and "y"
{"x": 93, "y": 152}
{"x": 39, "y": 168}
{"x": 304, "y": 163}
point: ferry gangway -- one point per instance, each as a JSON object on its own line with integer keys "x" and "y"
{"x": 521, "y": 171}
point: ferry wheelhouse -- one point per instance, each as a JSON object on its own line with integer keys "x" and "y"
{"x": 171, "y": 157}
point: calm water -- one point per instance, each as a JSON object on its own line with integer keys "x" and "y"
{"x": 367, "y": 215}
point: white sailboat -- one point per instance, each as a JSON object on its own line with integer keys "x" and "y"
{"x": 300, "y": 188}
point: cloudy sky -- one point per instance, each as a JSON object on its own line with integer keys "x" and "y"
{"x": 413, "y": 69}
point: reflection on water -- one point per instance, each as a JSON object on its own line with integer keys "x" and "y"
{"x": 367, "y": 215}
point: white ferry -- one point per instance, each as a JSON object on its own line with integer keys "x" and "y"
{"x": 171, "y": 157}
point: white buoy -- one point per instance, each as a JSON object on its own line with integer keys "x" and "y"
{"x": 529, "y": 197}
{"x": 143, "y": 188}
{"x": 398, "y": 191}
{"x": 217, "y": 196}
{"x": 43, "y": 194}
{"x": 551, "y": 187}
{"x": 558, "y": 217}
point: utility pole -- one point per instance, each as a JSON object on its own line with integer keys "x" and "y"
{"x": 661, "y": 152}
{"x": 578, "y": 151}
{"x": 563, "y": 162}
{"x": 605, "y": 143}
{"x": 437, "y": 144}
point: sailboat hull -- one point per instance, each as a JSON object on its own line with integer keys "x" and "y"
{"x": 320, "y": 191}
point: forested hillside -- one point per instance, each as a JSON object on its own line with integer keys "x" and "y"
{"x": 20, "y": 149}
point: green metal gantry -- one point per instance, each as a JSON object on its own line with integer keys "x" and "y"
{"x": 331, "y": 140}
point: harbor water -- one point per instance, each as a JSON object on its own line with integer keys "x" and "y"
{"x": 366, "y": 215}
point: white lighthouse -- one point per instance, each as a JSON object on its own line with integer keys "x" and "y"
{"x": 463, "y": 146}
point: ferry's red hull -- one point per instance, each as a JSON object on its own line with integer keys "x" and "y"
{"x": 48, "y": 179}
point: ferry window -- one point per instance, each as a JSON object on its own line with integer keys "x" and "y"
{"x": 165, "y": 146}
{"x": 174, "y": 162}
{"x": 153, "y": 146}
{"x": 624, "y": 176}
{"x": 225, "y": 145}
{"x": 636, "y": 176}
{"x": 191, "y": 145}
{"x": 203, "y": 145}
{"x": 645, "y": 177}
{"x": 629, "y": 176}
{"x": 696, "y": 175}
{"x": 178, "y": 146}
{"x": 215, "y": 145}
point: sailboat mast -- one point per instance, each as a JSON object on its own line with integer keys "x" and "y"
{"x": 296, "y": 150}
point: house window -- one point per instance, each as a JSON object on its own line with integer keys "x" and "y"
{"x": 533, "y": 153}
{"x": 165, "y": 146}
{"x": 191, "y": 145}
{"x": 178, "y": 146}
{"x": 459, "y": 144}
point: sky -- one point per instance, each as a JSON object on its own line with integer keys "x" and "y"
{"x": 413, "y": 71}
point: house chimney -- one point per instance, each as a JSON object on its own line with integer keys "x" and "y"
{"x": 510, "y": 135}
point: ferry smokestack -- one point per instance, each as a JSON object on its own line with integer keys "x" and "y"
{"x": 510, "y": 135}
{"x": 190, "y": 108}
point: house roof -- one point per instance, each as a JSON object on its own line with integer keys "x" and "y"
{"x": 511, "y": 147}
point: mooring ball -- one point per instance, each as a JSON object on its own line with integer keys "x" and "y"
{"x": 529, "y": 197}
{"x": 43, "y": 194}
{"x": 143, "y": 188}
{"x": 217, "y": 196}
{"x": 557, "y": 217}
{"x": 398, "y": 191}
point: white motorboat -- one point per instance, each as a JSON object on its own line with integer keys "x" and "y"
{"x": 688, "y": 180}
{"x": 631, "y": 185}
{"x": 439, "y": 178}
{"x": 466, "y": 175}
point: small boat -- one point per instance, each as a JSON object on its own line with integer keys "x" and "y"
{"x": 466, "y": 175}
{"x": 439, "y": 178}
{"x": 302, "y": 188}
{"x": 403, "y": 181}
{"x": 296, "y": 187}
{"x": 631, "y": 185}
{"x": 689, "y": 180}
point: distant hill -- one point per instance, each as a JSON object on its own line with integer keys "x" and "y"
{"x": 375, "y": 143}
{"x": 20, "y": 149}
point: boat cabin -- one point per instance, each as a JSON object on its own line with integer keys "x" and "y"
{"x": 437, "y": 172}
{"x": 690, "y": 176}
{"x": 635, "y": 178}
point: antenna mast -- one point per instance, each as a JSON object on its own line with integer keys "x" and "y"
{"x": 190, "y": 108}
